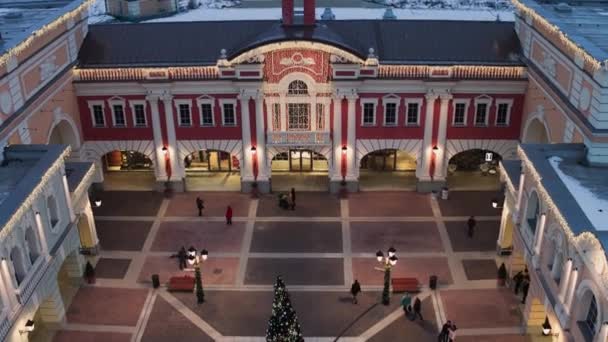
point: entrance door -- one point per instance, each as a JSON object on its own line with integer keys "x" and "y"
{"x": 300, "y": 160}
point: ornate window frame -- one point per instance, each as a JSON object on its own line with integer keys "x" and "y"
{"x": 132, "y": 104}
{"x": 369, "y": 100}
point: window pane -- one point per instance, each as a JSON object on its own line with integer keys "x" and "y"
{"x": 119, "y": 115}
{"x": 276, "y": 117}
{"x": 320, "y": 117}
{"x": 591, "y": 318}
{"x": 299, "y": 116}
{"x": 480, "y": 117}
{"x": 390, "y": 114}
{"x": 501, "y": 117}
{"x": 297, "y": 87}
{"x": 206, "y": 114}
{"x": 459, "y": 113}
{"x": 229, "y": 119}
{"x": 98, "y": 114}
{"x": 412, "y": 113}
{"x": 140, "y": 115}
{"x": 368, "y": 113}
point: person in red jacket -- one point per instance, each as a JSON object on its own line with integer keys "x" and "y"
{"x": 229, "y": 216}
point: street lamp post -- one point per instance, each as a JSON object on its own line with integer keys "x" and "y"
{"x": 195, "y": 260}
{"x": 388, "y": 262}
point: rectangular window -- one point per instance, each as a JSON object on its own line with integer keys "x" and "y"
{"x": 320, "y": 117}
{"x": 119, "y": 116}
{"x": 460, "y": 114}
{"x": 299, "y": 116}
{"x": 591, "y": 318}
{"x": 206, "y": 114}
{"x": 502, "y": 114}
{"x": 98, "y": 116}
{"x": 229, "y": 115}
{"x": 481, "y": 114}
{"x": 276, "y": 117}
{"x": 390, "y": 114}
{"x": 140, "y": 115}
{"x": 184, "y": 115}
{"x": 412, "y": 114}
{"x": 369, "y": 117}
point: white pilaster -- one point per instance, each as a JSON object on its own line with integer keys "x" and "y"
{"x": 159, "y": 170}
{"x": 9, "y": 284}
{"x": 520, "y": 193}
{"x": 441, "y": 164}
{"x": 571, "y": 287}
{"x": 88, "y": 213}
{"x": 352, "y": 173}
{"x": 177, "y": 170}
{"x": 565, "y": 279}
{"x": 503, "y": 224}
{"x": 422, "y": 170}
{"x": 247, "y": 167}
{"x": 263, "y": 173}
{"x": 336, "y": 174}
{"x": 68, "y": 198}
{"x": 42, "y": 235}
{"x": 540, "y": 231}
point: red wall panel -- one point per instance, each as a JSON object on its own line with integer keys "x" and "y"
{"x": 379, "y": 131}
{"x": 196, "y": 132}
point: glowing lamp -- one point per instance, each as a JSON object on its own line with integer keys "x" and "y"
{"x": 392, "y": 260}
{"x": 379, "y": 256}
{"x": 204, "y": 254}
{"x": 165, "y": 151}
{"x": 435, "y": 148}
{"x": 546, "y": 327}
{"x": 97, "y": 203}
{"x": 344, "y": 149}
{"x": 392, "y": 251}
{"x": 253, "y": 150}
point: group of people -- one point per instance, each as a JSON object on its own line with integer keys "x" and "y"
{"x": 200, "y": 205}
{"x": 288, "y": 201}
{"x": 411, "y": 311}
{"x": 448, "y": 332}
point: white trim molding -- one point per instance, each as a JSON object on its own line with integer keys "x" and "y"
{"x": 363, "y": 102}
{"x": 91, "y": 105}
{"x": 388, "y": 99}
{"x": 412, "y": 100}
{"x": 200, "y": 101}
{"x": 182, "y": 102}
{"x": 466, "y": 103}
{"x": 132, "y": 104}
{"x": 506, "y": 148}
{"x": 187, "y": 147}
{"x": 509, "y": 103}
{"x": 118, "y": 101}
{"x": 224, "y": 102}
{"x": 367, "y": 146}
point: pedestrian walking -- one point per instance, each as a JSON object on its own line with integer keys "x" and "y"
{"x": 229, "y": 215}
{"x": 471, "y": 223}
{"x": 200, "y": 205}
{"x": 406, "y": 303}
{"x": 445, "y": 331}
{"x": 181, "y": 256}
{"x": 354, "y": 290}
{"x": 452, "y": 332}
{"x": 292, "y": 199}
{"x": 525, "y": 286}
{"x": 518, "y": 279}
{"x": 418, "y": 309}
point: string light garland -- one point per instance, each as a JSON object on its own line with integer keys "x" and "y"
{"x": 137, "y": 74}
{"x": 62, "y": 20}
{"x": 455, "y": 71}
{"x": 584, "y": 237}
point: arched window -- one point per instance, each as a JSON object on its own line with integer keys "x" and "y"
{"x": 591, "y": 317}
{"x": 297, "y": 87}
{"x": 17, "y": 262}
{"x": 51, "y": 203}
{"x": 533, "y": 211}
{"x": 32, "y": 244}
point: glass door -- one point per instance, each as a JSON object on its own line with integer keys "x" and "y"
{"x": 295, "y": 162}
{"x": 306, "y": 160}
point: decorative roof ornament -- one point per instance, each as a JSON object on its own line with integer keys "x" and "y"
{"x": 223, "y": 54}
{"x": 389, "y": 15}
{"x": 371, "y": 57}
{"x": 223, "y": 60}
{"x": 328, "y": 14}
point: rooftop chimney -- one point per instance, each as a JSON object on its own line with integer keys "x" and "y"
{"x": 287, "y": 6}
{"x": 309, "y": 12}
{"x": 290, "y": 18}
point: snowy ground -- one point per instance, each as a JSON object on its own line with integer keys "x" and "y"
{"x": 206, "y": 14}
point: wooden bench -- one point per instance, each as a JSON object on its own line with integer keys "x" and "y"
{"x": 405, "y": 285}
{"x": 184, "y": 284}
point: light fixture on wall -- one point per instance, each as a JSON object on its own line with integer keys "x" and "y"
{"x": 495, "y": 204}
{"x": 253, "y": 150}
{"x": 435, "y": 148}
{"x": 97, "y": 203}
{"x": 546, "y": 327}
{"x": 28, "y": 327}
{"x": 165, "y": 151}
{"x": 344, "y": 148}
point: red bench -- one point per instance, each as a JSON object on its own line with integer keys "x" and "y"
{"x": 184, "y": 284}
{"x": 405, "y": 285}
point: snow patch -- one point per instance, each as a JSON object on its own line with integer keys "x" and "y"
{"x": 97, "y": 12}
{"x": 594, "y": 207}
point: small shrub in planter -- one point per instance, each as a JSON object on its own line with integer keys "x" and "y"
{"x": 89, "y": 273}
{"x": 502, "y": 275}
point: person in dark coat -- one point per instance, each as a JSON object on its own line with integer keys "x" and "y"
{"x": 452, "y": 332}
{"x": 418, "y": 309}
{"x": 292, "y": 199}
{"x": 200, "y": 205}
{"x": 471, "y": 223}
{"x": 354, "y": 290}
{"x": 525, "y": 286}
{"x": 406, "y": 303}
{"x": 518, "y": 279}
{"x": 181, "y": 256}
{"x": 445, "y": 332}
{"x": 229, "y": 215}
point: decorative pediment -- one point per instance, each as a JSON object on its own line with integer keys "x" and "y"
{"x": 297, "y": 59}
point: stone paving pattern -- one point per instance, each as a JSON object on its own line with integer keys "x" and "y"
{"x": 319, "y": 249}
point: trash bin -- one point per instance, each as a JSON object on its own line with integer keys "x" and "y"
{"x": 155, "y": 281}
{"x": 444, "y": 193}
{"x": 433, "y": 282}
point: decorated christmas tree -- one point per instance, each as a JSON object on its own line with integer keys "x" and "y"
{"x": 200, "y": 295}
{"x": 283, "y": 325}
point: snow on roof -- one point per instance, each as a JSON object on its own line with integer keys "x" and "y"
{"x": 594, "y": 207}
{"x": 466, "y": 14}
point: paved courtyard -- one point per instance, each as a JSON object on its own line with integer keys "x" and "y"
{"x": 319, "y": 249}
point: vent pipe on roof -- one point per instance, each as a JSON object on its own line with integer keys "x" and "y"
{"x": 328, "y": 14}
{"x": 309, "y": 12}
{"x": 389, "y": 15}
{"x": 291, "y": 17}
{"x": 287, "y": 6}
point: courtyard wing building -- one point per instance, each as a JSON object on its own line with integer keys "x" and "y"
{"x": 337, "y": 105}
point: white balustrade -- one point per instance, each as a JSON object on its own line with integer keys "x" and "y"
{"x": 298, "y": 138}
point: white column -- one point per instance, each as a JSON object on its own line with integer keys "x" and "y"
{"x": 563, "y": 283}
{"x": 422, "y": 170}
{"x": 520, "y": 193}
{"x": 336, "y": 174}
{"x": 441, "y": 167}
{"x": 540, "y": 231}
{"x": 556, "y": 263}
{"x": 247, "y": 167}
{"x": 42, "y": 234}
{"x": 571, "y": 287}
{"x": 6, "y": 293}
{"x": 177, "y": 169}
{"x": 351, "y": 156}
{"x": 68, "y": 198}
{"x": 159, "y": 168}
{"x": 283, "y": 114}
{"x": 503, "y": 224}
{"x": 260, "y": 138}
{"x": 9, "y": 284}
{"x": 88, "y": 213}
{"x": 602, "y": 336}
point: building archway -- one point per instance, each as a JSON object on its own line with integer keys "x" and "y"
{"x": 305, "y": 169}
{"x": 474, "y": 169}
{"x": 18, "y": 263}
{"x": 211, "y": 169}
{"x": 64, "y": 132}
{"x": 387, "y": 169}
{"x": 536, "y": 132}
{"x": 33, "y": 246}
{"x": 127, "y": 170}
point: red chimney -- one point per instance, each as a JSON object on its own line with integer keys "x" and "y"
{"x": 309, "y": 12}
{"x": 287, "y": 12}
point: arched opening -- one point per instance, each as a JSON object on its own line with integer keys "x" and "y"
{"x": 474, "y": 169}
{"x": 18, "y": 265}
{"x": 536, "y": 133}
{"x": 210, "y": 169}
{"x": 532, "y": 212}
{"x": 303, "y": 169}
{"x": 51, "y": 203}
{"x": 297, "y": 87}
{"x": 32, "y": 244}
{"x": 588, "y": 316}
{"x": 127, "y": 170}
{"x": 387, "y": 169}
{"x": 64, "y": 134}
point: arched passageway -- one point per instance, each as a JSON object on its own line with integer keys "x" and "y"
{"x": 63, "y": 133}
{"x": 212, "y": 170}
{"x": 303, "y": 169}
{"x": 474, "y": 169}
{"x": 536, "y": 133}
{"x": 387, "y": 169}
{"x": 127, "y": 170}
